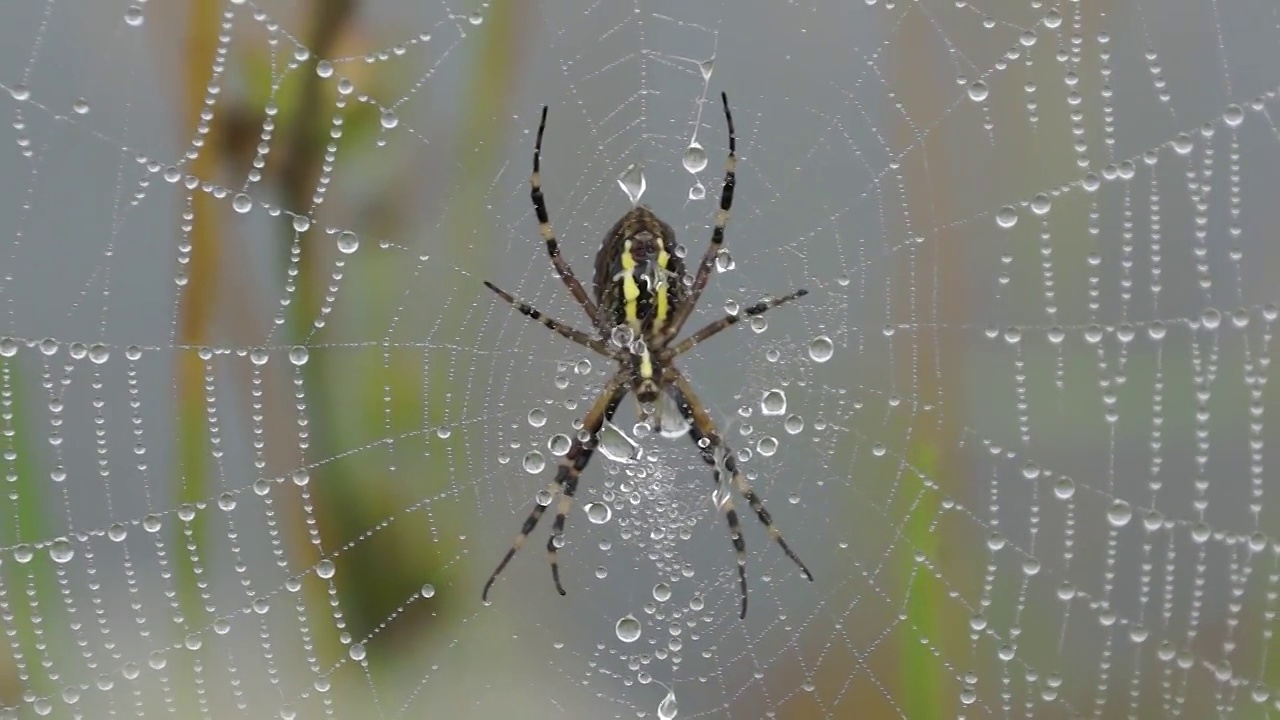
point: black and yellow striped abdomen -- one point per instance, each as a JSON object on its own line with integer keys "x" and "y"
{"x": 639, "y": 277}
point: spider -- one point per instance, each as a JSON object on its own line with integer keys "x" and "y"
{"x": 636, "y": 315}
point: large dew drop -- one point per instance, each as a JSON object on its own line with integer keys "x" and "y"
{"x": 628, "y": 628}
{"x": 61, "y": 551}
{"x": 821, "y": 349}
{"x": 774, "y": 402}
{"x": 667, "y": 708}
{"x": 632, "y": 182}
{"x": 695, "y": 158}
{"x": 598, "y": 513}
{"x": 616, "y": 446}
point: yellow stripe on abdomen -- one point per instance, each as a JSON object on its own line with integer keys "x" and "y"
{"x": 663, "y": 288}
{"x": 630, "y": 290}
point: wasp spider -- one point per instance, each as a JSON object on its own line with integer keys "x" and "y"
{"x": 642, "y": 299}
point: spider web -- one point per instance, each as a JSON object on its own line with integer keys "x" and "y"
{"x": 265, "y": 433}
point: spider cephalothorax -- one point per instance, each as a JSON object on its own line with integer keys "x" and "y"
{"x": 642, "y": 298}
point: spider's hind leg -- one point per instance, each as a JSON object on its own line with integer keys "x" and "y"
{"x": 704, "y": 434}
{"x": 571, "y": 467}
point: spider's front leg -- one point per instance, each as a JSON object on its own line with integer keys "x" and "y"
{"x": 571, "y": 466}
{"x": 704, "y": 434}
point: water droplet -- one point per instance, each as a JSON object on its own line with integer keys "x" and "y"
{"x": 628, "y": 629}
{"x": 241, "y": 203}
{"x": 767, "y": 446}
{"x": 978, "y": 91}
{"x": 117, "y": 532}
{"x": 821, "y": 349}
{"x": 475, "y": 18}
{"x": 1119, "y": 514}
{"x": 1182, "y": 144}
{"x": 151, "y": 523}
{"x": 348, "y": 242}
{"x": 1200, "y": 532}
{"x": 537, "y": 417}
{"x": 356, "y": 651}
{"x": 632, "y": 182}
{"x": 61, "y": 551}
{"x": 133, "y": 16}
{"x": 793, "y": 424}
{"x": 1007, "y": 216}
{"x": 695, "y": 158}
{"x": 667, "y": 708}
{"x": 389, "y": 119}
{"x": 1064, "y": 488}
{"x": 227, "y": 501}
{"x": 8, "y": 347}
{"x": 1234, "y": 115}
{"x": 616, "y": 446}
{"x": 298, "y": 355}
{"x": 325, "y": 569}
{"x": 724, "y": 260}
{"x": 80, "y": 106}
{"x": 559, "y": 444}
{"x": 98, "y": 353}
{"x": 1041, "y": 204}
{"x": 534, "y": 462}
{"x": 428, "y": 590}
{"x": 662, "y": 592}
{"x": 773, "y": 402}
{"x": 598, "y": 512}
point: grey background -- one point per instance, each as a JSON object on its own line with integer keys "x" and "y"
{"x": 828, "y": 190}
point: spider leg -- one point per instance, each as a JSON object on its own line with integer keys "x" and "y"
{"x": 716, "y": 326}
{"x": 701, "y": 428}
{"x": 555, "y": 325}
{"x": 571, "y": 466}
{"x": 562, "y": 267}
{"x": 717, "y": 233}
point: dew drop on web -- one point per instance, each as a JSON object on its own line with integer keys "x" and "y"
{"x": 628, "y": 628}
{"x": 821, "y": 349}
{"x": 695, "y": 158}
{"x": 773, "y": 402}
{"x": 632, "y": 182}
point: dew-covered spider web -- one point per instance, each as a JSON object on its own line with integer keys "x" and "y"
{"x": 264, "y": 433}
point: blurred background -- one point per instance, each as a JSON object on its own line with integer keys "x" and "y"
{"x": 264, "y": 433}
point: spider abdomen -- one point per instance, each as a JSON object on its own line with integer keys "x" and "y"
{"x": 639, "y": 277}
